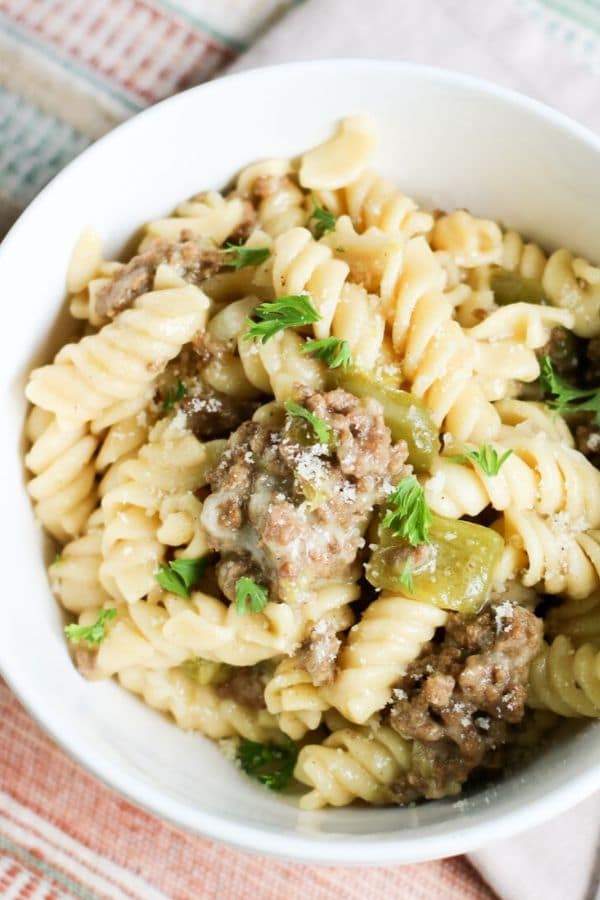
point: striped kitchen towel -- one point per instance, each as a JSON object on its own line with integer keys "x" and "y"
{"x": 69, "y": 71}
{"x": 63, "y": 834}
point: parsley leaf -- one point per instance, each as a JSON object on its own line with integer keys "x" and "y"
{"x": 250, "y": 596}
{"x": 240, "y": 257}
{"x": 406, "y": 577}
{"x": 334, "y": 351}
{"x": 565, "y": 398}
{"x": 291, "y": 311}
{"x": 271, "y": 764}
{"x": 181, "y": 574}
{"x": 486, "y": 457}
{"x": 320, "y": 221}
{"x": 320, "y": 428}
{"x": 409, "y": 516}
{"x": 174, "y": 395}
{"x": 91, "y": 634}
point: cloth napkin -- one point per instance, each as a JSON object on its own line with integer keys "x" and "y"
{"x": 68, "y": 73}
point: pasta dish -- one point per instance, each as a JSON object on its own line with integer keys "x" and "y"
{"x": 321, "y": 466}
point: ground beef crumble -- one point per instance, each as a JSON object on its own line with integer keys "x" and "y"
{"x": 459, "y": 700}
{"x": 563, "y": 349}
{"x": 297, "y": 511}
{"x": 214, "y": 414}
{"x": 192, "y": 258}
{"x": 245, "y": 685}
{"x": 319, "y": 653}
{"x": 208, "y": 413}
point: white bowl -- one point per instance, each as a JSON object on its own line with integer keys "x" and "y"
{"x": 448, "y": 140}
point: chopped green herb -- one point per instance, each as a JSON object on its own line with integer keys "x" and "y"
{"x": 271, "y": 764}
{"x": 181, "y": 574}
{"x": 320, "y": 428}
{"x": 334, "y": 351}
{"x": 486, "y": 457}
{"x": 174, "y": 395}
{"x": 292, "y": 311}
{"x": 250, "y": 596}
{"x": 91, "y": 634}
{"x": 320, "y": 221}
{"x": 239, "y": 257}
{"x": 406, "y": 577}
{"x": 57, "y": 559}
{"x": 409, "y": 516}
{"x": 340, "y": 249}
{"x": 565, "y": 398}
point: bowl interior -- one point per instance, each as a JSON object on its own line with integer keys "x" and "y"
{"x": 447, "y": 141}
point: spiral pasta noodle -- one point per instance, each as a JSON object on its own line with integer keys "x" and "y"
{"x": 301, "y": 265}
{"x": 121, "y": 359}
{"x": 210, "y": 216}
{"x": 63, "y": 484}
{"x": 377, "y": 652}
{"x": 133, "y": 638}
{"x": 539, "y": 474}
{"x": 214, "y": 630}
{"x": 278, "y": 366}
{"x": 296, "y": 702}
{"x": 579, "y": 621}
{"x": 373, "y": 201}
{"x": 566, "y": 681}
{"x": 574, "y": 284}
{"x": 281, "y": 204}
{"x": 173, "y": 462}
{"x": 352, "y": 763}
{"x": 438, "y": 359}
{"x": 74, "y": 574}
{"x": 198, "y": 707}
{"x": 550, "y": 551}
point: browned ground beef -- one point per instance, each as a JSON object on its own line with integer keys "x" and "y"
{"x": 209, "y": 413}
{"x": 193, "y": 259}
{"x": 246, "y": 226}
{"x": 245, "y": 685}
{"x": 214, "y": 414}
{"x": 319, "y": 653}
{"x": 592, "y": 364}
{"x": 587, "y": 439}
{"x": 459, "y": 699}
{"x": 563, "y": 350}
{"x": 296, "y": 512}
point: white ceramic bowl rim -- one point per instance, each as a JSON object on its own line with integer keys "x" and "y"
{"x": 342, "y": 849}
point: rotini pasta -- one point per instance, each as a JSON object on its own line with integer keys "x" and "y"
{"x": 550, "y": 551}
{"x": 197, "y": 707}
{"x": 209, "y": 628}
{"x": 373, "y": 201}
{"x": 574, "y": 284}
{"x": 74, "y": 575}
{"x": 539, "y": 474}
{"x": 566, "y": 681}
{"x": 172, "y": 464}
{"x": 377, "y": 652}
{"x": 61, "y": 461}
{"x": 291, "y": 696}
{"x": 352, "y": 763}
{"x": 471, "y": 241}
{"x": 121, "y": 359}
{"x": 579, "y": 621}
{"x": 281, "y": 204}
